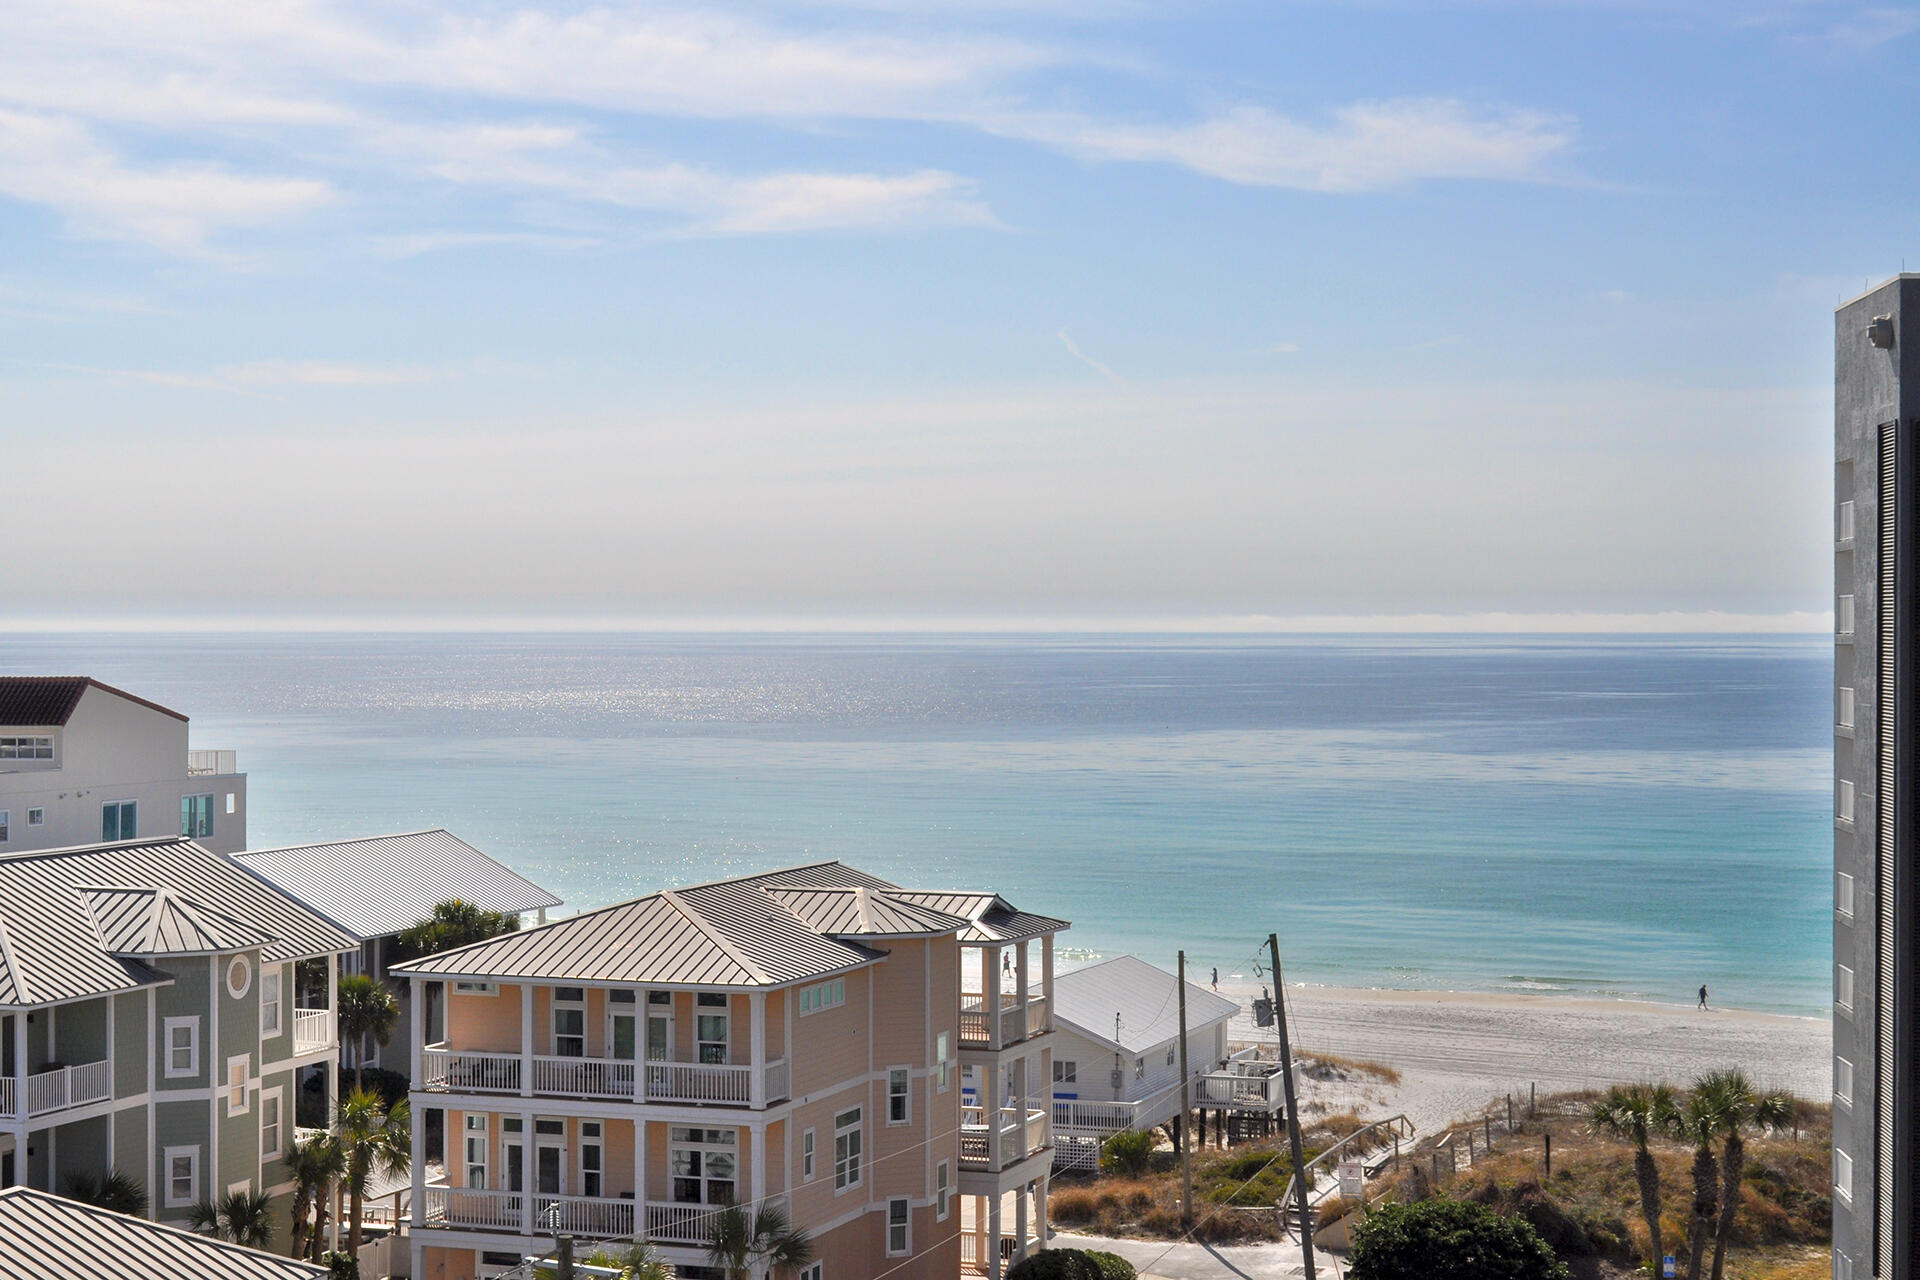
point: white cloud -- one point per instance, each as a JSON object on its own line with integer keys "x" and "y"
{"x": 264, "y": 374}
{"x": 1073, "y": 348}
{"x": 1367, "y": 146}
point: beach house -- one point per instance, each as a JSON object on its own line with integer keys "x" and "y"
{"x": 378, "y": 886}
{"x": 161, "y": 1011}
{"x": 795, "y": 1038}
{"x": 82, "y": 761}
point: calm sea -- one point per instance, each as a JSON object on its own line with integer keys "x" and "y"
{"x": 1628, "y": 817}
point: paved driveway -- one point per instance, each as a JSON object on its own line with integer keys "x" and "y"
{"x": 1158, "y": 1260}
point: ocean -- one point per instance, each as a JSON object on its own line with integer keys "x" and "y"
{"x": 1595, "y": 816}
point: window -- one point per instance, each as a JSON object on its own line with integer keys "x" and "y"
{"x": 846, "y": 1150}
{"x": 270, "y": 1101}
{"x": 476, "y": 1149}
{"x": 899, "y": 1227}
{"x": 196, "y": 816}
{"x": 239, "y": 1067}
{"x": 230, "y": 803}
{"x": 26, "y": 748}
{"x": 1170, "y": 1050}
{"x": 1843, "y": 800}
{"x": 476, "y": 988}
{"x": 1843, "y": 986}
{"x": 1139, "y": 1068}
{"x": 942, "y": 1191}
{"x": 703, "y": 1163}
{"x": 1843, "y": 894}
{"x": 1065, "y": 1072}
{"x": 711, "y": 1025}
{"x": 592, "y": 1159}
{"x": 270, "y": 1001}
{"x": 119, "y": 819}
{"x": 1842, "y": 1080}
{"x": 569, "y": 1022}
{"x": 239, "y": 977}
{"x": 813, "y": 1271}
{"x": 1843, "y": 1175}
{"x": 36, "y": 817}
{"x": 183, "y": 1046}
{"x": 942, "y": 1048}
{"x": 806, "y": 1156}
{"x": 1843, "y": 616}
{"x": 3, "y": 826}
{"x": 823, "y": 995}
{"x": 1843, "y": 716}
{"x": 183, "y": 1176}
{"x": 899, "y": 1095}
{"x": 1843, "y": 524}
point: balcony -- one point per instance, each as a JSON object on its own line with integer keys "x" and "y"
{"x": 614, "y": 1079}
{"x": 313, "y": 1030}
{"x": 1022, "y": 1133}
{"x": 57, "y": 1089}
{"x": 212, "y": 762}
{"x": 593, "y": 1217}
{"x": 1243, "y": 1090}
{"x": 1019, "y": 1019}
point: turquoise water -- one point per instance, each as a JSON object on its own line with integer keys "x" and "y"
{"x": 1627, "y": 817}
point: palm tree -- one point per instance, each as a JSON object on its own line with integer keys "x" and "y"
{"x": 1741, "y": 1107}
{"x": 1699, "y": 1121}
{"x": 636, "y": 1261}
{"x": 366, "y": 1008}
{"x": 1636, "y": 1113}
{"x": 744, "y": 1243}
{"x": 314, "y": 1163}
{"x": 244, "y": 1217}
{"x": 373, "y": 1139}
{"x": 454, "y": 923}
{"x": 115, "y": 1190}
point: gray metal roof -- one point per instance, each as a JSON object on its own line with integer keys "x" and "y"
{"x": 761, "y": 930}
{"x": 52, "y": 950}
{"x": 382, "y": 884}
{"x": 1143, "y": 995}
{"x": 48, "y": 1237}
{"x": 158, "y": 922}
{"x": 992, "y": 918}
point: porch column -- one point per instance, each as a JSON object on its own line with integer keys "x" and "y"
{"x": 1040, "y": 1208}
{"x": 990, "y": 997}
{"x": 992, "y": 1085}
{"x": 1020, "y": 983}
{"x": 419, "y": 1115}
{"x": 757, "y": 1163}
{"x": 529, "y": 1171}
{"x": 526, "y": 1050}
{"x": 757, "y": 1050}
{"x": 993, "y": 1236}
{"x": 333, "y": 1001}
{"x": 417, "y": 1001}
{"x": 20, "y": 1073}
{"x": 639, "y": 1175}
{"x": 1046, "y": 974}
{"x": 1020, "y": 1224}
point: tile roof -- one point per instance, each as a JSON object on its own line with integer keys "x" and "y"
{"x": 382, "y": 884}
{"x": 53, "y": 904}
{"x": 33, "y": 702}
{"x": 1144, "y": 997}
{"x": 771, "y": 929}
{"x": 48, "y": 1237}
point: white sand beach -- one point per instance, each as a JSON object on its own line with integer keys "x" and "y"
{"x": 1458, "y": 1050}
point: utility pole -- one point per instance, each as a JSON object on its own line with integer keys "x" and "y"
{"x": 1293, "y": 1112}
{"x": 1186, "y": 1140}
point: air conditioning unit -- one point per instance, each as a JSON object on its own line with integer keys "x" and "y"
{"x": 1118, "y": 1078}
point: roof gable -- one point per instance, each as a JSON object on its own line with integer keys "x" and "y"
{"x": 34, "y": 702}
{"x": 158, "y": 922}
{"x": 48, "y": 1237}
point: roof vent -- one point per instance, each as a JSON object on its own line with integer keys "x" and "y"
{"x": 1880, "y": 332}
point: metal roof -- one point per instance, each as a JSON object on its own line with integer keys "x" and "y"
{"x": 36, "y": 702}
{"x": 48, "y": 1237}
{"x": 158, "y": 922}
{"x": 993, "y": 918}
{"x": 379, "y": 885}
{"x": 771, "y": 929}
{"x": 1144, "y": 997}
{"x": 52, "y": 949}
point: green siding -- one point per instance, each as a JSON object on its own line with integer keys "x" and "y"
{"x": 79, "y": 1032}
{"x": 130, "y": 1047}
{"x": 280, "y": 1047}
{"x": 130, "y": 1153}
{"x": 177, "y": 1124}
{"x": 187, "y": 997}
{"x": 240, "y": 1016}
{"x": 79, "y": 1148}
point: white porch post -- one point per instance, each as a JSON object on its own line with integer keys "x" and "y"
{"x": 757, "y": 1050}
{"x": 20, "y": 1073}
{"x": 417, "y": 1001}
{"x": 993, "y": 1236}
{"x": 1046, "y": 974}
{"x": 1020, "y": 983}
{"x": 1020, "y": 1223}
{"x": 990, "y": 987}
{"x": 526, "y": 1048}
{"x": 419, "y": 1115}
{"x": 529, "y": 1171}
{"x": 639, "y": 1175}
{"x": 991, "y": 1086}
{"x": 757, "y": 1162}
{"x": 1040, "y": 1208}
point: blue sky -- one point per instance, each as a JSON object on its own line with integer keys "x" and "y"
{"x": 1063, "y": 312}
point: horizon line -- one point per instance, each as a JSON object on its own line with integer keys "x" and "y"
{"x": 1492, "y": 622}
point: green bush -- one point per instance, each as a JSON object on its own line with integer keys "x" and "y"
{"x": 1128, "y": 1153}
{"x": 1449, "y": 1240}
{"x": 340, "y": 1265}
{"x": 1071, "y": 1264}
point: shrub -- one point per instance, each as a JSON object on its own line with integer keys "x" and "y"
{"x": 1055, "y": 1264}
{"x": 340, "y": 1265}
{"x": 1111, "y": 1265}
{"x": 1128, "y": 1153}
{"x": 1449, "y": 1240}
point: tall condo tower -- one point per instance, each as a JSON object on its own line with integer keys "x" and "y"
{"x": 1876, "y": 769}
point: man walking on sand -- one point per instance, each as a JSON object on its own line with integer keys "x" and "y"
{"x": 1216, "y": 977}
{"x": 1703, "y": 995}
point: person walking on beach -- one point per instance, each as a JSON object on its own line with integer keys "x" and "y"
{"x": 1703, "y": 995}
{"x": 1216, "y": 977}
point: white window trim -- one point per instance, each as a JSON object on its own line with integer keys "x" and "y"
{"x": 485, "y": 1162}
{"x": 245, "y": 1062}
{"x": 268, "y": 1030}
{"x": 809, "y": 1153}
{"x": 857, "y": 1129}
{"x": 1844, "y": 1099}
{"x": 1843, "y": 894}
{"x": 943, "y": 1050}
{"x": 167, "y": 1158}
{"x": 1843, "y": 982}
{"x": 906, "y": 1249}
{"x": 246, "y": 984}
{"x": 908, "y": 1096}
{"x": 278, "y": 1097}
{"x": 942, "y": 1191}
{"x": 476, "y": 988}
{"x": 822, "y": 996}
{"x": 37, "y": 815}
{"x": 1842, "y": 1187}
{"x": 1066, "y": 1071}
{"x": 192, "y": 1024}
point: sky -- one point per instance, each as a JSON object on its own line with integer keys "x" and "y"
{"x": 876, "y": 313}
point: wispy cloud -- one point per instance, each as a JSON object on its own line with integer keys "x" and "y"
{"x": 263, "y": 375}
{"x": 1073, "y": 348}
{"x": 1865, "y": 30}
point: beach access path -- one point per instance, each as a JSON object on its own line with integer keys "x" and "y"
{"x": 1458, "y": 1051}
{"x": 1159, "y": 1260}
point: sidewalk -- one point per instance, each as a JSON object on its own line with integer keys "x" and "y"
{"x": 1158, "y": 1260}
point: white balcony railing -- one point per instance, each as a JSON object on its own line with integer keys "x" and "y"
{"x": 1022, "y": 1133}
{"x": 469, "y": 1207}
{"x": 596, "y": 1217}
{"x": 216, "y": 762}
{"x": 669, "y": 1223}
{"x": 313, "y": 1030}
{"x": 466, "y": 1071}
{"x": 58, "y": 1089}
{"x": 1019, "y": 1018}
{"x": 1246, "y": 1092}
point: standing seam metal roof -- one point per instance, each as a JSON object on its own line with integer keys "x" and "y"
{"x": 48, "y": 1237}
{"x": 379, "y": 885}
{"x": 1142, "y": 994}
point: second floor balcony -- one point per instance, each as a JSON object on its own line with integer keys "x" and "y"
{"x": 55, "y": 1089}
{"x": 1019, "y": 1019}
{"x": 617, "y": 1079}
{"x": 313, "y": 1030}
{"x": 593, "y": 1217}
{"x": 993, "y": 1141}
